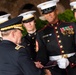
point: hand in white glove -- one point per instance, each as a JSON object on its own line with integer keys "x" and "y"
{"x": 63, "y": 63}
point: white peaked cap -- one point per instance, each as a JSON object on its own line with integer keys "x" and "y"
{"x": 47, "y": 4}
{"x": 27, "y": 15}
{"x": 73, "y": 4}
{"x": 4, "y": 18}
{"x": 55, "y": 0}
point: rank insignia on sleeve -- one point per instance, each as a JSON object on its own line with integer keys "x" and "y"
{"x": 19, "y": 46}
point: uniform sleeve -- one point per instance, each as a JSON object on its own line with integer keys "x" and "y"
{"x": 72, "y": 59}
{"x": 26, "y": 65}
{"x": 75, "y": 32}
{"x": 42, "y": 54}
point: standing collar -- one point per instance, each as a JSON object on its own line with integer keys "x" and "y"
{"x": 56, "y": 24}
{"x": 32, "y": 34}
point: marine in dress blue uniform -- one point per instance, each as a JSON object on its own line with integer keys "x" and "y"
{"x": 28, "y": 17}
{"x": 31, "y": 39}
{"x": 56, "y": 44}
{"x": 14, "y": 59}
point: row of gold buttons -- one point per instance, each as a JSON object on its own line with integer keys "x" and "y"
{"x": 61, "y": 46}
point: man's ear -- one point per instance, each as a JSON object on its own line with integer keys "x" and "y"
{"x": 57, "y": 11}
{"x": 13, "y": 33}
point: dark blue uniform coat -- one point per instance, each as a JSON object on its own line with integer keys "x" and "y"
{"x": 57, "y": 39}
{"x": 31, "y": 38}
{"x": 15, "y": 61}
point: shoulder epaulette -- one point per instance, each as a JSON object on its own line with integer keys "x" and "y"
{"x": 19, "y": 46}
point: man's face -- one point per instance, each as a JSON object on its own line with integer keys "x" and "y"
{"x": 30, "y": 26}
{"x": 51, "y": 17}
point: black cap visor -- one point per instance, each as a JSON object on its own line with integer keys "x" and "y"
{"x": 28, "y": 20}
{"x": 48, "y": 10}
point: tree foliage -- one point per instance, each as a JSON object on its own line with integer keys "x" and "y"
{"x": 67, "y": 16}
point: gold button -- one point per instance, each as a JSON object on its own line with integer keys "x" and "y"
{"x": 55, "y": 27}
{"x": 59, "y": 41}
{"x": 68, "y": 35}
{"x": 61, "y": 46}
{"x": 28, "y": 44}
{"x": 72, "y": 64}
{"x": 52, "y": 24}
{"x": 62, "y": 51}
{"x": 57, "y": 23}
{"x": 56, "y": 31}
{"x": 32, "y": 37}
{"x": 58, "y": 36}
{"x": 48, "y": 40}
{"x": 64, "y": 56}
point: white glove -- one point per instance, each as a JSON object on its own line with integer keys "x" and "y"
{"x": 63, "y": 63}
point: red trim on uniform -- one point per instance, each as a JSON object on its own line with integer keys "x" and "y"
{"x": 57, "y": 40}
{"x": 67, "y": 72}
{"x": 44, "y": 27}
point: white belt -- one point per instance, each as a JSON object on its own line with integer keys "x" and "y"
{"x": 52, "y": 58}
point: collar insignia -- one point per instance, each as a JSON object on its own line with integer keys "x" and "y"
{"x": 19, "y": 46}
